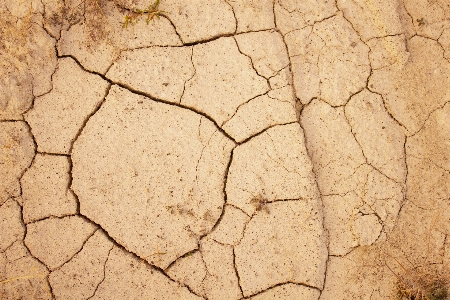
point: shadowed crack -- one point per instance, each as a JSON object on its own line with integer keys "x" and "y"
{"x": 225, "y": 181}
{"x": 384, "y": 104}
{"x": 174, "y": 27}
{"x": 34, "y": 257}
{"x": 308, "y": 153}
{"x": 362, "y": 148}
{"x": 134, "y": 91}
{"x": 187, "y": 254}
{"x": 263, "y": 131}
{"x": 70, "y": 184}
{"x": 242, "y": 104}
{"x": 104, "y": 272}
{"x": 94, "y": 111}
{"x": 428, "y": 117}
{"x": 30, "y": 133}
{"x": 236, "y": 271}
{"x": 76, "y": 253}
{"x": 251, "y": 60}
{"x": 283, "y": 283}
{"x": 193, "y": 74}
{"x": 234, "y": 15}
{"x": 326, "y": 267}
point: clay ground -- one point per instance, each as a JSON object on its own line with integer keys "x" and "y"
{"x": 230, "y": 149}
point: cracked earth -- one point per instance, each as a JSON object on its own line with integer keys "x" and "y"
{"x": 231, "y": 149}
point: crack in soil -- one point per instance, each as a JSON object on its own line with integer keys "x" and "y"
{"x": 104, "y": 271}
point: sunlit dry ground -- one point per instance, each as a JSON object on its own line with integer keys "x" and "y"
{"x": 229, "y": 149}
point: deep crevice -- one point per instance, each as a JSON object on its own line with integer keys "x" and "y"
{"x": 212, "y": 39}
{"x": 52, "y": 154}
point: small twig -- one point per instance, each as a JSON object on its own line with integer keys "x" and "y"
{"x": 151, "y": 11}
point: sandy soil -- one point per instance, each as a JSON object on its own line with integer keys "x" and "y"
{"x": 229, "y": 149}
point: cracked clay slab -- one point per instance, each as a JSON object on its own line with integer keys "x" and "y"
{"x": 53, "y": 246}
{"x": 209, "y": 272}
{"x": 11, "y": 228}
{"x": 170, "y": 68}
{"x": 128, "y": 277}
{"x": 253, "y": 15}
{"x": 226, "y": 150}
{"x": 284, "y": 244}
{"x": 79, "y": 277}
{"x": 329, "y": 61}
{"x": 362, "y": 216}
{"x": 427, "y": 156}
{"x": 245, "y": 123}
{"x": 16, "y": 153}
{"x": 432, "y": 14}
{"x": 45, "y": 189}
{"x": 27, "y": 61}
{"x": 221, "y": 281}
{"x": 57, "y": 117}
{"x": 414, "y": 86}
{"x": 269, "y": 167}
{"x": 230, "y": 229}
{"x": 273, "y": 165}
{"x": 293, "y": 15}
{"x": 224, "y": 79}
{"x": 98, "y": 53}
{"x": 151, "y": 174}
{"x": 373, "y": 18}
{"x": 189, "y": 270}
{"x": 385, "y": 150}
{"x": 24, "y": 278}
{"x": 338, "y": 165}
{"x": 201, "y": 19}
{"x": 266, "y": 50}
{"x": 359, "y": 201}
{"x": 288, "y": 291}
{"x": 362, "y": 274}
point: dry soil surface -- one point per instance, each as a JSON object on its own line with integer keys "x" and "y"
{"x": 230, "y": 149}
